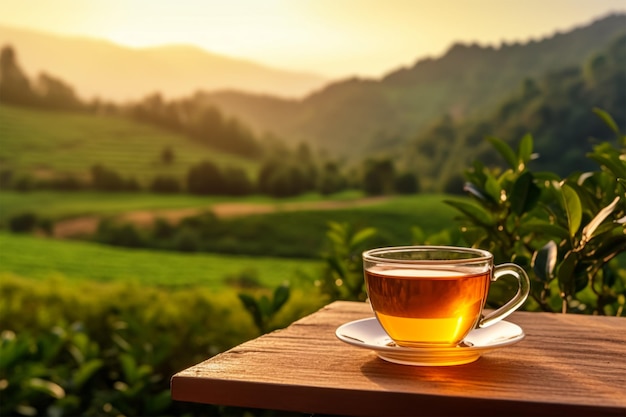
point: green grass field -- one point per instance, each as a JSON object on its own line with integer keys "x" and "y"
{"x": 44, "y": 259}
{"x": 57, "y": 205}
{"x": 263, "y": 236}
{"x": 46, "y": 144}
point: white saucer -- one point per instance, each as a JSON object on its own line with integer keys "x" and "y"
{"x": 368, "y": 334}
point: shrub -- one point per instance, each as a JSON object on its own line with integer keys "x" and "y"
{"x": 342, "y": 278}
{"x": 165, "y": 184}
{"x": 108, "y": 349}
{"x": 126, "y": 234}
{"x": 567, "y": 233}
{"x": 23, "y": 222}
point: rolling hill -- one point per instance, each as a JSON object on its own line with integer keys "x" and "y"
{"x": 111, "y": 72}
{"x": 44, "y": 144}
{"x": 357, "y": 117}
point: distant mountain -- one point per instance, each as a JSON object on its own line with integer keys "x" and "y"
{"x": 112, "y": 72}
{"x": 555, "y": 109}
{"x": 359, "y": 117}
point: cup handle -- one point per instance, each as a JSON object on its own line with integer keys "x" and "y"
{"x": 515, "y": 302}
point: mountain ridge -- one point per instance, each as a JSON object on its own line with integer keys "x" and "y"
{"x": 103, "y": 69}
{"x": 465, "y": 81}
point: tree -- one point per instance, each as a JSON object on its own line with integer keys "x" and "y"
{"x": 406, "y": 183}
{"x": 23, "y": 222}
{"x": 236, "y": 181}
{"x": 14, "y": 85}
{"x": 379, "y": 176}
{"x": 105, "y": 179}
{"x": 331, "y": 180}
{"x": 56, "y": 94}
{"x": 280, "y": 178}
{"x": 205, "y": 178}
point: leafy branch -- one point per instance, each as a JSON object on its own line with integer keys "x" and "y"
{"x": 567, "y": 233}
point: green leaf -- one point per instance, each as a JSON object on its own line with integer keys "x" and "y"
{"x": 586, "y": 193}
{"x": 129, "y": 367}
{"x": 121, "y": 342}
{"x": 281, "y": 295}
{"x": 418, "y": 236}
{"x": 265, "y": 306}
{"x": 525, "y": 150}
{"x": 14, "y": 349}
{"x": 252, "y": 306}
{"x": 492, "y": 187}
{"x": 336, "y": 232}
{"x": 476, "y": 175}
{"x": 362, "y": 235}
{"x": 547, "y": 176}
{"x": 248, "y": 301}
{"x": 607, "y": 119}
{"x": 86, "y": 371}
{"x": 336, "y": 266}
{"x": 47, "y": 387}
{"x": 581, "y": 280}
{"x": 475, "y": 213}
{"x": 544, "y": 261}
{"x": 573, "y": 208}
{"x": 609, "y": 277}
{"x": 597, "y": 221}
{"x": 611, "y": 162}
{"x": 610, "y": 247}
{"x": 478, "y": 193}
{"x": 543, "y": 228}
{"x": 525, "y": 194}
{"x": 505, "y": 150}
{"x": 565, "y": 273}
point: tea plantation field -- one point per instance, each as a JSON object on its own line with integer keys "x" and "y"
{"x": 42, "y": 259}
{"x": 50, "y": 143}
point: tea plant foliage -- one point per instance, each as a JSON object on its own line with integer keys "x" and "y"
{"x": 342, "y": 277}
{"x": 568, "y": 233}
{"x": 262, "y": 308}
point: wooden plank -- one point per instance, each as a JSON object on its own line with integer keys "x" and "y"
{"x": 566, "y": 365}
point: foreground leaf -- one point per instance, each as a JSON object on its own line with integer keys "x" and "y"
{"x": 525, "y": 194}
{"x": 505, "y": 150}
{"x": 597, "y": 221}
{"x": 281, "y": 295}
{"x": 573, "y": 208}
{"x": 607, "y": 119}
{"x": 47, "y": 387}
{"x": 525, "y": 151}
{"x": 475, "y": 213}
{"x": 544, "y": 261}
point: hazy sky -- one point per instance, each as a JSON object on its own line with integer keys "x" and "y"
{"x": 330, "y": 37}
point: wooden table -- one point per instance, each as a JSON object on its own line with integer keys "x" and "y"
{"x": 566, "y": 365}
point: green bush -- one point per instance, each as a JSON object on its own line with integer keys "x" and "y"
{"x": 110, "y": 349}
{"x": 567, "y": 233}
{"x": 23, "y": 222}
{"x": 107, "y": 349}
{"x": 29, "y": 222}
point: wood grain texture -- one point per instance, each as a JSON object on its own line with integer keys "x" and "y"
{"x": 566, "y": 365}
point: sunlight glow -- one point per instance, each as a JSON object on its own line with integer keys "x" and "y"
{"x": 333, "y": 37}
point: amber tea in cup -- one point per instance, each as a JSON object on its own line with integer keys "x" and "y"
{"x": 431, "y": 296}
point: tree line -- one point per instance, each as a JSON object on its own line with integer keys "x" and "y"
{"x": 275, "y": 178}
